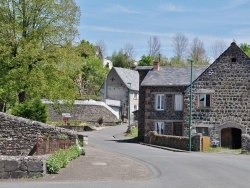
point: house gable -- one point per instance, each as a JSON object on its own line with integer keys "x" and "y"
{"x": 225, "y": 84}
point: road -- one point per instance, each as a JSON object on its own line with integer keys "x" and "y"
{"x": 168, "y": 169}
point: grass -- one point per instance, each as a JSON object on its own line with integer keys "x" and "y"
{"x": 222, "y": 150}
{"x": 133, "y": 134}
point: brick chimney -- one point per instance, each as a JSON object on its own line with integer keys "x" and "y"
{"x": 156, "y": 66}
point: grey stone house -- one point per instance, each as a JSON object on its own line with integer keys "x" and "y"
{"x": 121, "y": 82}
{"x": 221, "y": 103}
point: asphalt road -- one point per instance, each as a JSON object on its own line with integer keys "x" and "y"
{"x": 168, "y": 169}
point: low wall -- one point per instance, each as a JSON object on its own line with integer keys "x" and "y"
{"x": 245, "y": 140}
{"x": 177, "y": 142}
{"x": 22, "y": 167}
{"x": 18, "y": 136}
{"x": 86, "y": 111}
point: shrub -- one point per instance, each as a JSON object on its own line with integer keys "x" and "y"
{"x": 34, "y": 110}
{"x": 100, "y": 120}
{"x": 60, "y": 158}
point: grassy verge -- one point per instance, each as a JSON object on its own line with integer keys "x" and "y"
{"x": 133, "y": 133}
{"x": 222, "y": 150}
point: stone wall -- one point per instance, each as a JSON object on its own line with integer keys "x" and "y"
{"x": 177, "y": 142}
{"x": 168, "y": 115}
{"x": 89, "y": 111}
{"x": 227, "y": 81}
{"x": 141, "y": 111}
{"x": 22, "y": 167}
{"x": 18, "y": 135}
{"x": 245, "y": 140}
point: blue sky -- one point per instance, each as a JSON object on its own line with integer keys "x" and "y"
{"x": 118, "y": 22}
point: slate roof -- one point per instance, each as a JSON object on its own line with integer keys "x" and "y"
{"x": 129, "y": 76}
{"x": 172, "y": 76}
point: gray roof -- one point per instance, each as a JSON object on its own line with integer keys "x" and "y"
{"x": 172, "y": 76}
{"x": 143, "y": 67}
{"x": 129, "y": 76}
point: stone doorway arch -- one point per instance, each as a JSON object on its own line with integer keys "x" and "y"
{"x": 230, "y": 135}
{"x": 231, "y": 138}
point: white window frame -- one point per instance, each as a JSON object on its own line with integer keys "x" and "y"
{"x": 204, "y": 102}
{"x": 159, "y": 102}
{"x": 135, "y": 96}
{"x": 178, "y": 102}
{"x": 135, "y": 107}
{"x": 159, "y": 127}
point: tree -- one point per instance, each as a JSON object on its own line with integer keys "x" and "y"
{"x": 101, "y": 48}
{"x": 146, "y": 60}
{"x": 246, "y": 48}
{"x": 34, "y": 110}
{"x": 197, "y": 52}
{"x": 154, "y": 47}
{"x": 91, "y": 77}
{"x": 37, "y": 57}
{"x": 180, "y": 44}
{"x": 217, "y": 47}
{"x": 120, "y": 59}
{"x": 86, "y": 49}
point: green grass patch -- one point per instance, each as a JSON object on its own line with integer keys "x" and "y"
{"x": 222, "y": 150}
{"x": 60, "y": 158}
{"x": 133, "y": 133}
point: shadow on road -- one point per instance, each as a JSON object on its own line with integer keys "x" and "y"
{"x": 126, "y": 140}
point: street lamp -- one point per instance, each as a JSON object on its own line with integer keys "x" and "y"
{"x": 190, "y": 104}
{"x": 129, "y": 103}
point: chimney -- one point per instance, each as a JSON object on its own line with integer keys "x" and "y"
{"x": 156, "y": 66}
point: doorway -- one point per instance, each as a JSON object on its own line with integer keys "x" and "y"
{"x": 231, "y": 138}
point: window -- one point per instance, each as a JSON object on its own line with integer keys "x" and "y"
{"x": 159, "y": 127}
{"x": 178, "y": 103}
{"x": 135, "y": 96}
{"x": 204, "y": 100}
{"x": 177, "y": 129}
{"x": 135, "y": 107}
{"x": 159, "y": 102}
{"x": 203, "y": 130}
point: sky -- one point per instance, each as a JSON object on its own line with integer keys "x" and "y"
{"x": 121, "y": 22}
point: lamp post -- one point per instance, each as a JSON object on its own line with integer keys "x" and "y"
{"x": 129, "y": 103}
{"x": 190, "y": 104}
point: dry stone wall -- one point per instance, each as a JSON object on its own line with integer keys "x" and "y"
{"x": 18, "y": 135}
{"x": 22, "y": 167}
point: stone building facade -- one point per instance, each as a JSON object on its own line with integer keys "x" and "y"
{"x": 122, "y": 85}
{"x": 221, "y": 102}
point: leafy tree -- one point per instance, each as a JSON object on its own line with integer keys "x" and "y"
{"x": 91, "y": 78}
{"x": 146, "y": 60}
{"x": 86, "y": 49}
{"x": 246, "y": 48}
{"x": 34, "y": 110}
{"x": 36, "y": 55}
{"x": 121, "y": 59}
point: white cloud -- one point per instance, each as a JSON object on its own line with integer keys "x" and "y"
{"x": 168, "y": 7}
{"x": 123, "y": 9}
{"x": 110, "y": 29}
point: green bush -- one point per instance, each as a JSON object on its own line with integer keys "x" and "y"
{"x": 59, "y": 159}
{"x": 34, "y": 110}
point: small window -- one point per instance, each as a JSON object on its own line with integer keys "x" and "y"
{"x": 178, "y": 103}
{"x": 159, "y": 127}
{"x": 177, "y": 129}
{"x": 135, "y": 96}
{"x": 135, "y": 107}
{"x": 203, "y": 130}
{"x": 233, "y": 60}
{"x": 159, "y": 102}
{"x": 204, "y": 100}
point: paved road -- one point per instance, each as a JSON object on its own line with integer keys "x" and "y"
{"x": 168, "y": 169}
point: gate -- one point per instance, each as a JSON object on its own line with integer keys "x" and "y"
{"x": 205, "y": 143}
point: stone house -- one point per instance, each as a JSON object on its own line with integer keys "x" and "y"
{"x": 221, "y": 103}
{"x": 120, "y": 87}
